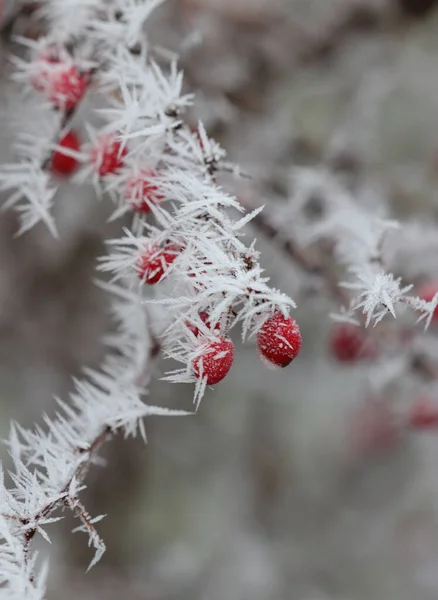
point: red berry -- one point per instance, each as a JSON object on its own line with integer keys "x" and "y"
{"x": 349, "y": 343}
{"x": 423, "y": 414}
{"x": 215, "y": 361}
{"x": 279, "y": 339}
{"x": 62, "y": 83}
{"x": 61, "y": 163}
{"x": 154, "y": 262}
{"x": 108, "y": 155}
{"x": 68, "y": 87}
{"x": 427, "y": 291}
{"x": 204, "y": 316}
{"x": 141, "y": 192}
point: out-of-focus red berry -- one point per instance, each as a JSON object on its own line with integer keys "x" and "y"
{"x": 350, "y": 344}
{"x": 423, "y": 414}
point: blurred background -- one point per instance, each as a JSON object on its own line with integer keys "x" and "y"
{"x": 272, "y": 491}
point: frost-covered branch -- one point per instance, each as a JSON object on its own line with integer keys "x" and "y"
{"x": 50, "y": 463}
{"x": 321, "y": 219}
{"x": 183, "y": 255}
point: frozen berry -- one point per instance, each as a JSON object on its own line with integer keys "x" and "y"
{"x": 423, "y": 414}
{"x": 154, "y": 261}
{"x": 61, "y": 163}
{"x": 427, "y": 292}
{"x": 205, "y": 318}
{"x": 62, "y": 83}
{"x": 279, "y": 340}
{"x": 349, "y": 343}
{"x": 67, "y": 87}
{"x": 107, "y": 156}
{"x": 142, "y": 192}
{"x": 215, "y": 361}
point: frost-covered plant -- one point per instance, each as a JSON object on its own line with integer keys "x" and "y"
{"x": 184, "y": 251}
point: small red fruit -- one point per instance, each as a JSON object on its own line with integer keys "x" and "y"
{"x": 204, "y": 316}
{"x": 141, "y": 192}
{"x": 215, "y": 361}
{"x": 349, "y": 343}
{"x": 279, "y": 339}
{"x": 423, "y": 414}
{"x": 67, "y": 87}
{"x": 154, "y": 262}
{"x": 108, "y": 155}
{"x": 62, "y": 83}
{"x": 427, "y": 291}
{"x": 61, "y": 163}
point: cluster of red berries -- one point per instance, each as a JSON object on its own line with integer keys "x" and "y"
{"x": 107, "y": 157}
{"x": 278, "y": 342}
{"x": 64, "y": 87}
{"x": 349, "y": 344}
{"x": 375, "y": 426}
{"x": 141, "y": 190}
